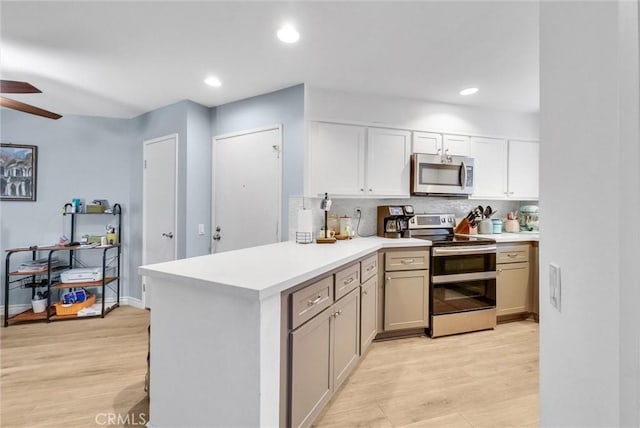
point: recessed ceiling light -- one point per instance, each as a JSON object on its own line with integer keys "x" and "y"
{"x": 288, "y": 34}
{"x": 468, "y": 91}
{"x": 213, "y": 81}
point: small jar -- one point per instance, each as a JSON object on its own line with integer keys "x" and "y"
{"x": 485, "y": 227}
{"x": 497, "y": 225}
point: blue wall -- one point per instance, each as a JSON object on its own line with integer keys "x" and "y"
{"x": 78, "y": 157}
{"x": 284, "y": 107}
{"x": 93, "y": 157}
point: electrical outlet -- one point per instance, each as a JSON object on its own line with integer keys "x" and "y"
{"x": 555, "y": 286}
{"x": 357, "y": 211}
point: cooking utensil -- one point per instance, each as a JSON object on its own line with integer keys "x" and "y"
{"x": 488, "y": 212}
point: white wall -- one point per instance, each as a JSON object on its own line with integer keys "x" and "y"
{"x": 629, "y": 236}
{"x": 323, "y": 104}
{"x": 587, "y": 86}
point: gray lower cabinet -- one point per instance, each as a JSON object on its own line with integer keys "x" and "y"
{"x": 324, "y": 351}
{"x": 311, "y": 368}
{"x": 513, "y": 292}
{"x": 406, "y": 297}
{"x": 368, "y": 313}
{"x": 346, "y": 337}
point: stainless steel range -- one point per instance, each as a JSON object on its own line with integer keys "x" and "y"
{"x": 462, "y": 276}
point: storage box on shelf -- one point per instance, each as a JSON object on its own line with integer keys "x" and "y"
{"x": 46, "y": 275}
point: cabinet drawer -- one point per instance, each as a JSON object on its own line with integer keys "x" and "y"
{"x": 512, "y": 254}
{"x": 406, "y": 260}
{"x": 311, "y": 300}
{"x": 347, "y": 279}
{"x": 369, "y": 268}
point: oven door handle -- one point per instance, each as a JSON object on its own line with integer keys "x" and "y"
{"x": 453, "y": 251}
{"x": 464, "y": 277}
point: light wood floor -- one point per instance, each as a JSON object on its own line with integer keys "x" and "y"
{"x": 68, "y": 373}
{"x": 482, "y": 379}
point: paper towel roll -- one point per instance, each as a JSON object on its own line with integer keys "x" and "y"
{"x": 305, "y": 221}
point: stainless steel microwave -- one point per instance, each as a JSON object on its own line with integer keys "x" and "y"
{"x": 441, "y": 175}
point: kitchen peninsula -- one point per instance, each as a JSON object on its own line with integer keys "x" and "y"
{"x": 216, "y": 329}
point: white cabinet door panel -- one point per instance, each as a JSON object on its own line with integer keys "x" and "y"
{"x": 490, "y": 167}
{"x": 427, "y": 142}
{"x": 455, "y": 145}
{"x": 336, "y": 159}
{"x": 523, "y": 172}
{"x": 388, "y": 153}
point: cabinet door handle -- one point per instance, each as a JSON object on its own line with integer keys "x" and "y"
{"x": 407, "y": 262}
{"x": 314, "y": 301}
{"x": 349, "y": 281}
{"x": 389, "y": 278}
{"x": 362, "y": 189}
{"x": 499, "y": 270}
{"x": 364, "y": 292}
{"x": 512, "y": 255}
{"x": 168, "y": 235}
{"x": 370, "y": 268}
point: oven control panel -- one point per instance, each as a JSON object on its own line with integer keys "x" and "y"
{"x": 427, "y": 221}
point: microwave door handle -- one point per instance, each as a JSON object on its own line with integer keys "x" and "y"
{"x": 463, "y": 174}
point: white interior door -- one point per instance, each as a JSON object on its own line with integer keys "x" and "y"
{"x": 247, "y": 189}
{"x": 159, "y": 204}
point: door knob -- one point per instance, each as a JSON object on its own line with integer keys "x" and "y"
{"x": 168, "y": 235}
{"x": 216, "y": 236}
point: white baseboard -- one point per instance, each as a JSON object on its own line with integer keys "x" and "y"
{"x": 124, "y": 301}
{"x": 131, "y": 301}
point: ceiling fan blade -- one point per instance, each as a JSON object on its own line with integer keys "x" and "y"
{"x": 17, "y": 105}
{"x": 15, "y": 87}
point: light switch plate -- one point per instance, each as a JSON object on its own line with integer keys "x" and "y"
{"x": 555, "y": 286}
{"x": 201, "y": 229}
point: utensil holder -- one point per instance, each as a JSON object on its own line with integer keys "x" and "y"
{"x": 485, "y": 227}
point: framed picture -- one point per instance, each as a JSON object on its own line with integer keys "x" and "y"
{"x": 18, "y": 172}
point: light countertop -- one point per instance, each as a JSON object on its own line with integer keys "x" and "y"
{"x": 269, "y": 269}
{"x": 511, "y": 237}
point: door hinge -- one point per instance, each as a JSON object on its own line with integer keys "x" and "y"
{"x": 277, "y": 228}
{"x": 145, "y": 164}
{"x": 277, "y": 149}
{"x": 144, "y": 286}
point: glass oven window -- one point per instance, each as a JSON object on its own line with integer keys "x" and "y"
{"x": 451, "y": 265}
{"x": 463, "y": 296}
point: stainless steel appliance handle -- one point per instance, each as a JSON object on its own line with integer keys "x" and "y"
{"x": 464, "y": 174}
{"x": 452, "y": 251}
{"x": 463, "y": 277}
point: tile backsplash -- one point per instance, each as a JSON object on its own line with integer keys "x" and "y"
{"x": 430, "y": 204}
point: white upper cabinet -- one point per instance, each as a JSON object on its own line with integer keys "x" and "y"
{"x": 427, "y": 142}
{"x": 388, "y": 162}
{"x": 336, "y": 159}
{"x": 524, "y": 164}
{"x": 455, "y": 145}
{"x": 346, "y": 160}
{"x": 490, "y": 167}
{"x": 438, "y": 144}
{"x": 505, "y": 169}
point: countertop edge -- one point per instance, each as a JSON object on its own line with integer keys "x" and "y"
{"x": 276, "y": 288}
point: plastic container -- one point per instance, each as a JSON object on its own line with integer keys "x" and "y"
{"x": 75, "y": 307}
{"x": 497, "y": 225}
{"x": 39, "y": 305}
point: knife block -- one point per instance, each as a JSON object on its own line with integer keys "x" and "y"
{"x": 465, "y": 228}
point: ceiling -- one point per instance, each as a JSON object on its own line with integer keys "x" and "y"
{"x": 122, "y": 59}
